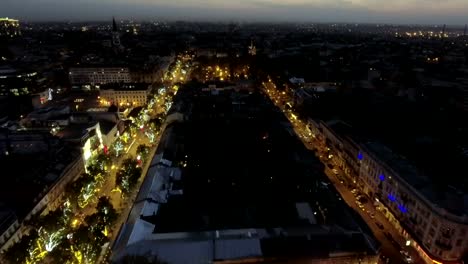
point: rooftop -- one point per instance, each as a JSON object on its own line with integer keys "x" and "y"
{"x": 22, "y": 185}
{"x": 453, "y": 200}
{"x": 230, "y": 184}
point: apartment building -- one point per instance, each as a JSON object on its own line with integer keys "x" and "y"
{"x": 125, "y": 95}
{"x": 434, "y": 222}
{"x": 99, "y": 75}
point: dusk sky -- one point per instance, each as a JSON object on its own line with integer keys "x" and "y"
{"x": 379, "y": 11}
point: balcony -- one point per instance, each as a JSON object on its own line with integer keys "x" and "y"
{"x": 446, "y": 234}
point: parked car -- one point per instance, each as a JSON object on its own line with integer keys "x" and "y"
{"x": 406, "y": 257}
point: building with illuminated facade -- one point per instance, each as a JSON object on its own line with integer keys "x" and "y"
{"x": 17, "y": 82}
{"x": 125, "y": 95}
{"x": 9, "y": 27}
{"x": 434, "y": 221}
{"x": 99, "y": 75}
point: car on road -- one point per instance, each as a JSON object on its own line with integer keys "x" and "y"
{"x": 379, "y": 225}
{"x": 406, "y": 257}
{"x": 353, "y": 191}
{"x": 372, "y": 215}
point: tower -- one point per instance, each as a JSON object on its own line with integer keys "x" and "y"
{"x": 464, "y": 31}
{"x": 115, "y": 34}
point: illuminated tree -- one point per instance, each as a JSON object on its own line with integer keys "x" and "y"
{"x": 106, "y": 211}
{"x": 52, "y": 221}
{"x": 74, "y": 188}
{"x": 118, "y": 147}
{"x": 157, "y": 122}
{"x": 84, "y": 246}
{"x": 143, "y": 151}
{"x": 62, "y": 253}
{"x": 87, "y": 194}
{"x": 128, "y": 175}
{"x": 20, "y": 251}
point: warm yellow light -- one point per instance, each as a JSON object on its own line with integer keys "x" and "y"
{"x": 75, "y": 223}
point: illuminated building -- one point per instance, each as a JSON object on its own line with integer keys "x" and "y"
{"x": 435, "y": 222}
{"x": 125, "y": 95}
{"x": 99, "y": 75}
{"x": 15, "y": 82}
{"x": 41, "y": 98}
{"x": 9, "y": 27}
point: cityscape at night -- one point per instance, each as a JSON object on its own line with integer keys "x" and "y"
{"x": 263, "y": 131}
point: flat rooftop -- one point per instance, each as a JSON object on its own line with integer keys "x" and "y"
{"x": 240, "y": 172}
{"x": 451, "y": 199}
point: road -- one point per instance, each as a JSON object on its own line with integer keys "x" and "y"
{"x": 124, "y": 205}
{"x": 392, "y": 242}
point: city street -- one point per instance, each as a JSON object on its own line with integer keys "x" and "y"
{"x": 392, "y": 242}
{"x": 124, "y": 205}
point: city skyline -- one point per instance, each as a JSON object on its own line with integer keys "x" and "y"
{"x": 450, "y": 12}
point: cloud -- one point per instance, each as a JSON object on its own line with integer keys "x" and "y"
{"x": 402, "y": 11}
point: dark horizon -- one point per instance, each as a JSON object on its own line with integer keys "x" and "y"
{"x": 419, "y": 12}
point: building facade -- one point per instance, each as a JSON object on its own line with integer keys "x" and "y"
{"x": 47, "y": 201}
{"x": 9, "y": 27}
{"x": 15, "y": 82}
{"x": 99, "y": 75}
{"x": 9, "y": 224}
{"x": 435, "y": 224}
{"x": 131, "y": 95}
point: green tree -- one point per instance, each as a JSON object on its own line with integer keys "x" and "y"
{"x": 106, "y": 211}
{"x": 61, "y": 253}
{"x": 74, "y": 188}
{"x": 128, "y": 175}
{"x": 143, "y": 151}
{"x": 52, "y": 221}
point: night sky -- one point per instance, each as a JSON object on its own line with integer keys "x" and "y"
{"x": 372, "y": 11}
